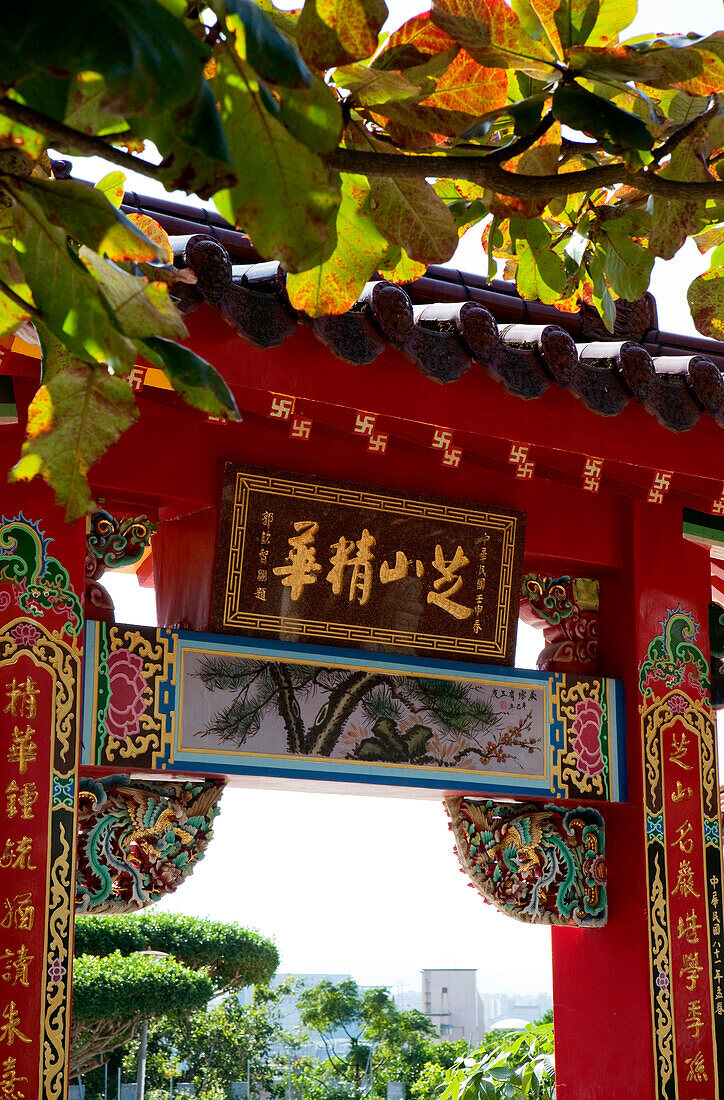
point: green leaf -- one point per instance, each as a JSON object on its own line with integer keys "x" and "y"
{"x": 65, "y": 293}
{"x": 286, "y": 199}
{"x": 492, "y": 33}
{"x": 541, "y": 273}
{"x": 269, "y": 52}
{"x": 691, "y": 64}
{"x": 334, "y": 285}
{"x": 141, "y": 308}
{"x": 335, "y": 32}
{"x": 87, "y": 216}
{"x": 312, "y": 115}
{"x": 196, "y": 380}
{"x": 581, "y": 110}
{"x": 151, "y": 61}
{"x": 602, "y": 297}
{"x": 76, "y": 415}
{"x": 113, "y": 187}
{"x": 192, "y": 141}
{"x": 626, "y": 263}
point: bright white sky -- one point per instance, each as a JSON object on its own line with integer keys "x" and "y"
{"x": 371, "y": 886}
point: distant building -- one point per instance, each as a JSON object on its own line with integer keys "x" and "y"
{"x": 450, "y": 999}
{"x": 527, "y": 1007}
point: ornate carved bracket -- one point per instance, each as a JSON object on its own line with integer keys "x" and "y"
{"x": 566, "y": 608}
{"x": 536, "y": 863}
{"x": 111, "y": 544}
{"x": 137, "y": 841}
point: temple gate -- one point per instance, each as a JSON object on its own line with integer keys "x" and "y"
{"x": 615, "y": 729}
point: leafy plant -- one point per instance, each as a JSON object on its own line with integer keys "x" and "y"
{"x": 519, "y": 1067}
{"x": 579, "y": 157}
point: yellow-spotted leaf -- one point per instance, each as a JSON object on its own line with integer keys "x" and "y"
{"x": 113, "y": 187}
{"x": 413, "y": 44}
{"x": 335, "y": 32}
{"x": 493, "y": 34}
{"x": 334, "y": 285}
{"x": 706, "y": 302}
{"x": 79, "y": 412}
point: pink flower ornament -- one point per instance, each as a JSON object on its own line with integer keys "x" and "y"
{"x": 126, "y": 703}
{"x": 587, "y": 737}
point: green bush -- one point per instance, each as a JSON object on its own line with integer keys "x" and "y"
{"x": 232, "y": 956}
{"x": 122, "y": 987}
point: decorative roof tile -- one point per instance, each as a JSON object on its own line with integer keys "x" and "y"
{"x": 448, "y": 322}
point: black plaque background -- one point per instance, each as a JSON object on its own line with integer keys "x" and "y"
{"x": 397, "y": 618}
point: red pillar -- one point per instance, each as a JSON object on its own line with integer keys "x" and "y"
{"x": 41, "y": 586}
{"x": 630, "y": 1019}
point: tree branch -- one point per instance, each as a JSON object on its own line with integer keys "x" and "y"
{"x": 82, "y": 143}
{"x": 26, "y": 306}
{"x": 479, "y": 170}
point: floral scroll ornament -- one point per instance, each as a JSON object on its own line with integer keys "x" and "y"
{"x": 127, "y": 685}
{"x": 586, "y": 731}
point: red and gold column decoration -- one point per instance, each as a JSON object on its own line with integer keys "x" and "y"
{"x": 40, "y": 658}
{"x": 683, "y": 861}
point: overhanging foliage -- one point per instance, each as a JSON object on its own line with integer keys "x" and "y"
{"x": 341, "y": 152}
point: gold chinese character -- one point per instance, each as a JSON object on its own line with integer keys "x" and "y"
{"x": 17, "y": 855}
{"x": 694, "y": 1021}
{"x": 679, "y": 751}
{"x": 16, "y": 964}
{"x": 476, "y": 626}
{"x": 260, "y": 594}
{"x": 685, "y": 881}
{"x": 681, "y": 792}
{"x": 263, "y": 555}
{"x": 697, "y": 1068}
{"x": 480, "y": 583}
{"x": 360, "y": 585}
{"x": 20, "y": 799}
{"x": 9, "y": 1079}
{"x": 23, "y": 750}
{"x": 261, "y": 575}
{"x": 267, "y": 519}
{"x": 397, "y": 572}
{"x": 448, "y": 571}
{"x": 265, "y": 538}
{"x": 688, "y": 928}
{"x": 691, "y": 969}
{"x": 683, "y": 839}
{"x": 22, "y": 698}
{"x": 719, "y": 1008}
{"x": 10, "y": 1031}
{"x": 302, "y": 558}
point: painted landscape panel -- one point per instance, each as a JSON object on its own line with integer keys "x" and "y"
{"x": 248, "y": 709}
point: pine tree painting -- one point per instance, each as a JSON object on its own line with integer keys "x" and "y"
{"x": 368, "y": 715}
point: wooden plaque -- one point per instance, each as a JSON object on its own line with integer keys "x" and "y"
{"x": 312, "y": 561}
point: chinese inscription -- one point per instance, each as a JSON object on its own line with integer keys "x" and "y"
{"x": 321, "y": 561}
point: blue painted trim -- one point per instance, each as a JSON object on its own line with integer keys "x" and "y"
{"x": 90, "y": 645}
{"x": 361, "y": 658}
{"x": 621, "y": 793}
